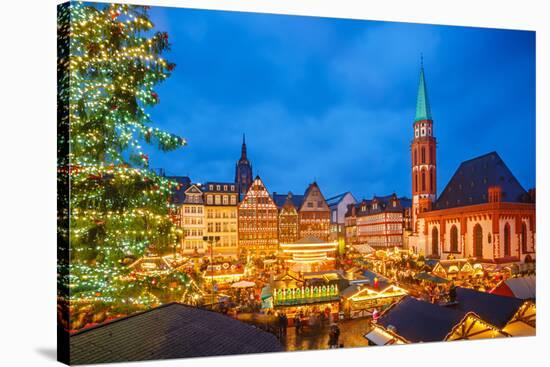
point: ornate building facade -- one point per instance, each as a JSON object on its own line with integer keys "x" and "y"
{"x": 314, "y": 214}
{"x": 220, "y": 203}
{"x": 288, "y": 216}
{"x": 483, "y": 213}
{"x": 258, "y": 221}
{"x": 379, "y": 223}
{"x": 192, "y": 221}
{"x": 243, "y": 172}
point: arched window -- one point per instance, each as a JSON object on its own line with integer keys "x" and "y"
{"x": 431, "y": 181}
{"x": 454, "y": 239}
{"x": 523, "y": 237}
{"x": 416, "y": 182}
{"x": 415, "y": 160}
{"x": 507, "y": 240}
{"x": 423, "y": 155}
{"x": 423, "y": 181}
{"x": 478, "y": 241}
{"x": 432, "y": 155}
{"x": 435, "y": 241}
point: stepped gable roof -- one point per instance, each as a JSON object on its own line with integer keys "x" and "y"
{"x": 494, "y": 309}
{"x": 186, "y": 332}
{"x": 310, "y": 187}
{"x": 471, "y": 181}
{"x": 420, "y": 321}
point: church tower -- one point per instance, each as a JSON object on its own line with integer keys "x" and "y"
{"x": 243, "y": 172}
{"x": 423, "y": 154}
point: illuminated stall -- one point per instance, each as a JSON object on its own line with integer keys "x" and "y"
{"x": 152, "y": 264}
{"x": 457, "y": 269}
{"x": 476, "y": 315}
{"x": 308, "y": 294}
{"x": 223, "y": 274}
{"x": 309, "y": 301}
{"x": 360, "y": 301}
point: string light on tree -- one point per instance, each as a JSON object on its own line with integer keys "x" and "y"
{"x": 119, "y": 208}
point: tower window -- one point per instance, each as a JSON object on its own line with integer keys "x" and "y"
{"x": 415, "y": 160}
{"x": 423, "y": 180}
{"x": 423, "y": 155}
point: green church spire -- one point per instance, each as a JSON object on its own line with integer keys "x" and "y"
{"x": 423, "y": 111}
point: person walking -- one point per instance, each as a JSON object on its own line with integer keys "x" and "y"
{"x": 298, "y": 324}
{"x": 333, "y": 336}
{"x": 281, "y": 325}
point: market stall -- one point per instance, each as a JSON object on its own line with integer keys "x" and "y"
{"x": 361, "y": 301}
{"x": 457, "y": 269}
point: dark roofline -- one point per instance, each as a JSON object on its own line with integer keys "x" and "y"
{"x": 123, "y": 318}
{"x": 82, "y": 331}
{"x": 459, "y": 168}
{"x": 481, "y": 156}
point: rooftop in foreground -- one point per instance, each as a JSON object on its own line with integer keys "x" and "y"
{"x": 169, "y": 331}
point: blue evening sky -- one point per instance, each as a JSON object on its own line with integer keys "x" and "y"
{"x": 333, "y": 100}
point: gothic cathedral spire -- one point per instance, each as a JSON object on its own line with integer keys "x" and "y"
{"x": 243, "y": 171}
{"x": 243, "y": 149}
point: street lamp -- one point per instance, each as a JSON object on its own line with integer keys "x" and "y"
{"x": 211, "y": 240}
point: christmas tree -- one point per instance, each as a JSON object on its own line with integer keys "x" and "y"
{"x": 110, "y": 60}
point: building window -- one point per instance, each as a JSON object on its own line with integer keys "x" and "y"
{"x": 209, "y": 199}
{"x": 217, "y": 200}
{"x": 415, "y": 160}
{"x": 507, "y": 249}
{"x": 416, "y": 182}
{"x": 435, "y": 241}
{"x": 454, "y": 239}
{"x": 211, "y": 187}
{"x": 523, "y": 237}
{"x": 423, "y": 180}
{"x": 432, "y": 155}
{"x": 478, "y": 241}
{"x": 423, "y": 155}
